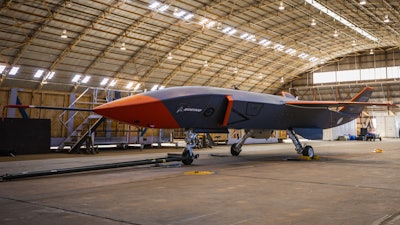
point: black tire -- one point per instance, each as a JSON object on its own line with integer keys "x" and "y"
{"x": 308, "y": 151}
{"x": 187, "y": 159}
{"x": 235, "y": 151}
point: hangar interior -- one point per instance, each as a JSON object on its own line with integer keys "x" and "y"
{"x": 81, "y": 54}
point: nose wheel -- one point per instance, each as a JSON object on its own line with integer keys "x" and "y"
{"x": 191, "y": 141}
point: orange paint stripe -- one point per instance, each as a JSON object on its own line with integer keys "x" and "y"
{"x": 228, "y": 110}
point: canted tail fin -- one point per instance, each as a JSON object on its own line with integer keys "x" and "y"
{"x": 363, "y": 96}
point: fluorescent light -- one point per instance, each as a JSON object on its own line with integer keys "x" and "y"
{"x": 86, "y": 79}
{"x": 188, "y": 16}
{"x": 303, "y": 55}
{"x": 2, "y": 68}
{"x": 154, "y": 87}
{"x": 232, "y": 32}
{"x": 113, "y": 83}
{"x": 211, "y": 24}
{"x": 179, "y": 13}
{"x": 264, "y": 42}
{"x": 50, "y": 75}
{"x": 104, "y": 81}
{"x": 363, "y": 2}
{"x": 154, "y": 5}
{"x": 38, "y": 73}
{"x": 129, "y": 85}
{"x": 163, "y": 8}
{"x": 279, "y": 47}
{"x": 251, "y": 38}
{"x": 290, "y": 51}
{"x": 76, "y": 78}
{"x": 342, "y": 20}
{"x": 137, "y": 87}
{"x": 226, "y": 29}
{"x": 243, "y": 36}
{"x": 14, "y": 70}
{"x": 313, "y": 59}
{"x": 203, "y": 21}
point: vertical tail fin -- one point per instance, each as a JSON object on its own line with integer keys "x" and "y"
{"x": 363, "y": 96}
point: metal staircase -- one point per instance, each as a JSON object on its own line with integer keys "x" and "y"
{"x": 84, "y": 132}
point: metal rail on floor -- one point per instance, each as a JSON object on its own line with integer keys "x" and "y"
{"x": 23, "y": 175}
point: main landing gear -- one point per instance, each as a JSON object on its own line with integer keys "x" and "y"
{"x": 191, "y": 141}
{"x": 305, "y": 151}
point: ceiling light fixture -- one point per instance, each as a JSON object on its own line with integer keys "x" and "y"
{"x": 169, "y": 56}
{"x": 354, "y": 43}
{"x": 49, "y": 75}
{"x": 203, "y": 21}
{"x": 279, "y": 47}
{"x": 281, "y": 7}
{"x": 104, "y": 81}
{"x": 371, "y": 52}
{"x": 163, "y": 8}
{"x": 137, "y": 87}
{"x": 14, "y": 70}
{"x": 303, "y": 55}
{"x": 342, "y": 20}
{"x": 76, "y": 78}
{"x": 154, "y": 5}
{"x": 205, "y": 63}
{"x": 38, "y": 74}
{"x": 2, "y": 68}
{"x": 129, "y": 85}
{"x": 363, "y": 2}
{"x": 282, "y": 80}
{"x": 123, "y": 48}
{"x": 386, "y": 20}
{"x": 188, "y": 16}
{"x": 113, "y": 83}
{"x": 64, "y": 34}
{"x": 154, "y": 87}
{"x": 85, "y": 79}
{"x": 313, "y": 23}
{"x": 336, "y": 33}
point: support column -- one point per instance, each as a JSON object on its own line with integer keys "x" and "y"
{"x": 72, "y": 98}
{"x": 12, "y": 101}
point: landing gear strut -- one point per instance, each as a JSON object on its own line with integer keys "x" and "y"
{"x": 191, "y": 141}
{"x": 237, "y": 148}
{"x": 306, "y": 150}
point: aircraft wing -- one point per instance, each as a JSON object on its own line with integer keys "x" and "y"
{"x": 327, "y": 104}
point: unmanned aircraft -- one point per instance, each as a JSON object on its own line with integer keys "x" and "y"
{"x": 211, "y": 109}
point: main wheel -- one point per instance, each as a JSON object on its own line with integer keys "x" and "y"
{"x": 235, "y": 150}
{"x": 187, "y": 159}
{"x": 308, "y": 151}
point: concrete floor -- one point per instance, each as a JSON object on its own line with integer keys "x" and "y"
{"x": 348, "y": 185}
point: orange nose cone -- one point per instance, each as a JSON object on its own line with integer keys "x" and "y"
{"x": 139, "y": 110}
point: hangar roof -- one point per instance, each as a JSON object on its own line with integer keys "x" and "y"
{"x": 255, "y": 45}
